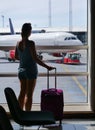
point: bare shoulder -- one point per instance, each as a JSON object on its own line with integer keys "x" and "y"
{"x": 32, "y": 43}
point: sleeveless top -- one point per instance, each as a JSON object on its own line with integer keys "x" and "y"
{"x": 27, "y": 66}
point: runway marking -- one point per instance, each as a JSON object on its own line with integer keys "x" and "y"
{"x": 77, "y": 82}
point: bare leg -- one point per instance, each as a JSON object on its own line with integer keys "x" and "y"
{"x": 21, "y": 97}
{"x": 29, "y": 94}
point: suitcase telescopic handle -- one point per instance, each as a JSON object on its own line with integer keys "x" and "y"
{"x": 48, "y": 75}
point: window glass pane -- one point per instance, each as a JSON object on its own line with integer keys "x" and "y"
{"x": 74, "y": 88}
{"x": 61, "y": 30}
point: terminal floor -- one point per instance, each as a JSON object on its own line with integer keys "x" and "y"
{"x": 67, "y": 124}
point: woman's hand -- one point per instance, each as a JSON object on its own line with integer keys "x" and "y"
{"x": 51, "y": 68}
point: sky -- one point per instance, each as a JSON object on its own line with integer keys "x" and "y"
{"x": 38, "y": 13}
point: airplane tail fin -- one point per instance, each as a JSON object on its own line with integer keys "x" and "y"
{"x": 11, "y": 27}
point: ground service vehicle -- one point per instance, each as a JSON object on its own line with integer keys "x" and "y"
{"x": 70, "y": 58}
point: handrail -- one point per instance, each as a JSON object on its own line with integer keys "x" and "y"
{"x": 51, "y": 74}
{"x": 49, "y": 48}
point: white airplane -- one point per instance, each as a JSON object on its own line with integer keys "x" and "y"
{"x": 42, "y": 39}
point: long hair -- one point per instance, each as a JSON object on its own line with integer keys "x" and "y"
{"x": 26, "y": 28}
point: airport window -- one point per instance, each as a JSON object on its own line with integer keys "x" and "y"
{"x": 70, "y": 59}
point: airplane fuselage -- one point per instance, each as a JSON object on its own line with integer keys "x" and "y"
{"x": 42, "y": 39}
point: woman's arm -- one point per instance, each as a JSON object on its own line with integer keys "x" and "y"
{"x": 35, "y": 57}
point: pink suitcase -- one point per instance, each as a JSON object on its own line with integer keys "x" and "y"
{"x": 52, "y": 100}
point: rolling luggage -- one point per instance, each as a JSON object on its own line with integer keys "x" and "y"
{"x": 52, "y": 100}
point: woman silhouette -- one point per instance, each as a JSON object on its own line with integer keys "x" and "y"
{"x": 25, "y": 52}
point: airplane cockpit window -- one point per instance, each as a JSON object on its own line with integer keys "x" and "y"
{"x": 70, "y": 38}
{"x": 73, "y": 38}
{"x": 65, "y": 38}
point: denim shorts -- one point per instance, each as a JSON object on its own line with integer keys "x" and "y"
{"x": 27, "y": 74}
